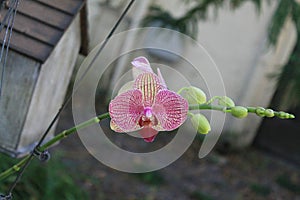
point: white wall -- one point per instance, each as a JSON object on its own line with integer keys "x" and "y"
{"x": 237, "y": 42}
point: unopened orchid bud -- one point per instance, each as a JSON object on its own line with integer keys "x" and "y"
{"x": 194, "y": 95}
{"x": 239, "y": 111}
{"x": 226, "y": 101}
{"x": 284, "y": 115}
{"x": 291, "y": 116}
{"x": 260, "y": 111}
{"x": 269, "y": 113}
{"x": 200, "y": 123}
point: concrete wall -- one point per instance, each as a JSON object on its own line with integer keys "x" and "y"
{"x": 19, "y": 83}
{"x": 51, "y": 86}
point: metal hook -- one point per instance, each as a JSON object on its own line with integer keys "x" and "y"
{"x": 43, "y": 156}
{"x": 6, "y": 197}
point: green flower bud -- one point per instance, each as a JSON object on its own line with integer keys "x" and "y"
{"x": 194, "y": 95}
{"x": 226, "y": 101}
{"x": 200, "y": 123}
{"x": 260, "y": 111}
{"x": 239, "y": 111}
{"x": 291, "y": 116}
{"x": 269, "y": 113}
{"x": 283, "y": 115}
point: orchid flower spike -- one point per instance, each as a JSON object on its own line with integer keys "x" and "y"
{"x": 148, "y": 106}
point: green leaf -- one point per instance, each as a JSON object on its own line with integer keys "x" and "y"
{"x": 279, "y": 17}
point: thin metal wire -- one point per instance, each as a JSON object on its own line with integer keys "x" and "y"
{"x": 9, "y": 19}
{"x": 7, "y": 16}
{"x": 3, "y": 4}
{"x": 68, "y": 98}
{"x": 7, "y": 38}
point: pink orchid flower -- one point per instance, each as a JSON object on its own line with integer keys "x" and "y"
{"x": 148, "y": 106}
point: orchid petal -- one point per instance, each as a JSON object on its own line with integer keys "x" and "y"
{"x": 141, "y": 65}
{"x": 115, "y": 127}
{"x": 162, "y": 80}
{"x": 149, "y": 84}
{"x": 148, "y": 133}
{"x": 170, "y": 110}
{"x": 125, "y": 111}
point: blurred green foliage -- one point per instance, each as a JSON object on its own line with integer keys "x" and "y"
{"x": 289, "y": 77}
{"x": 47, "y": 181}
{"x": 286, "y": 182}
{"x": 198, "y": 195}
{"x": 260, "y": 189}
{"x": 151, "y": 178}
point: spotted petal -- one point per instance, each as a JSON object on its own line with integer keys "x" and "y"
{"x": 149, "y": 84}
{"x": 140, "y": 65}
{"x": 125, "y": 111}
{"x": 170, "y": 110}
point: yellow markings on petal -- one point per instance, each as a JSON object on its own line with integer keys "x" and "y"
{"x": 149, "y": 84}
{"x": 115, "y": 127}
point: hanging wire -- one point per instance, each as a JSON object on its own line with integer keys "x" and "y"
{"x": 8, "y": 19}
{"x": 68, "y": 98}
{"x": 8, "y": 22}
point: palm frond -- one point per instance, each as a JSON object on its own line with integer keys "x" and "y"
{"x": 279, "y": 17}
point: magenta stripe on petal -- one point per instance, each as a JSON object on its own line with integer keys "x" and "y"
{"x": 170, "y": 109}
{"x": 149, "y": 84}
{"x": 125, "y": 111}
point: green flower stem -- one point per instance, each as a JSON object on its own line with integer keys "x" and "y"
{"x": 65, "y": 133}
{"x": 257, "y": 110}
{"x": 213, "y": 99}
{"x": 209, "y": 107}
{"x": 13, "y": 169}
{"x": 280, "y": 114}
{"x": 181, "y": 90}
{"x": 54, "y": 140}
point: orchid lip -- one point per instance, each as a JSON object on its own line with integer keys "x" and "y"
{"x": 148, "y": 112}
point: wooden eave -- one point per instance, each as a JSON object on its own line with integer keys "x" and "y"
{"x": 39, "y": 25}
